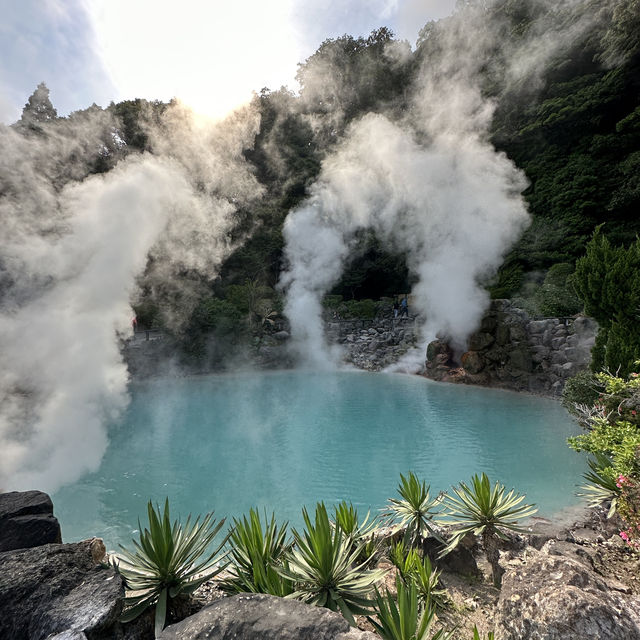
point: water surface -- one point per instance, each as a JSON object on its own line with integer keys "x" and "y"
{"x": 283, "y": 440}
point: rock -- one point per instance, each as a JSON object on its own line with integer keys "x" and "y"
{"x": 261, "y": 617}
{"x": 554, "y": 597}
{"x": 438, "y": 348}
{"x": 58, "y": 589}
{"x": 520, "y": 360}
{"x": 281, "y": 335}
{"x": 472, "y": 362}
{"x": 27, "y": 520}
{"x": 479, "y": 341}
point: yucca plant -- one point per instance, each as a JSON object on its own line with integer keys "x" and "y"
{"x": 486, "y": 512}
{"x": 359, "y": 534}
{"x": 404, "y": 616}
{"x": 325, "y": 568}
{"x": 415, "y": 511}
{"x": 256, "y": 551}
{"x": 418, "y": 570}
{"x": 169, "y": 560}
{"x": 600, "y": 485}
{"x": 477, "y": 636}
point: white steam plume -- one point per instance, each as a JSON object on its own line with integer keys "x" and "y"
{"x": 432, "y": 187}
{"x": 72, "y": 247}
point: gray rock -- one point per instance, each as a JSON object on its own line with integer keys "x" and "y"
{"x": 262, "y": 617}
{"x": 58, "y": 588}
{"x": 554, "y": 597}
{"x": 27, "y": 520}
{"x": 281, "y": 335}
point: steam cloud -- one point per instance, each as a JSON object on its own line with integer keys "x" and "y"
{"x": 431, "y": 185}
{"x": 72, "y": 248}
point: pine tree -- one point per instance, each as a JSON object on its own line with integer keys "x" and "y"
{"x": 38, "y": 108}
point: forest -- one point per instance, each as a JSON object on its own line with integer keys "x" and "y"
{"x": 562, "y": 83}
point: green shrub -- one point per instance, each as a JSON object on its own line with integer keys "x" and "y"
{"x": 415, "y": 511}
{"x": 582, "y": 389}
{"x": 486, "y": 512}
{"x": 324, "y": 568}
{"x": 169, "y": 560}
{"x": 256, "y": 552}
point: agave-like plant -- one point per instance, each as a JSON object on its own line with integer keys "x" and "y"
{"x": 256, "y": 551}
{"x": 415, "y": 510}
{"x": 359, "y": 534}
{"x": 405, "y": 616}
{"x": 477, "y": 636}
{"x": 486, "y": 512}
{"x": 418, "y": 570}
{"x": 169, "y": 560}
{"x": 324, "y": 567}
{"x": 600, "y": 485}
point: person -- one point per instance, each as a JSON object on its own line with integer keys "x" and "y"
{"x": 396, "y": 308}
{"x": 134, "y": 324}
{"x": 404, "y": 307}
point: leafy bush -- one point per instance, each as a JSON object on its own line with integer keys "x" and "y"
{"x": 170, "y": 560}
{"x": 582, "y": 389}
{"x": 415, "y": 510}
{"x": 486, "y": 512}
{"x": 256, "y": 552}
{"x": 361, "y": 535}
{"x": 324, "y": 568}
{"x": 556, "y": 296}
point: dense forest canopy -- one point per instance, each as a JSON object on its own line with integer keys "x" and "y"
{"x": 562, "y": 81}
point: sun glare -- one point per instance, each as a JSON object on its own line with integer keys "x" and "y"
{"x": 211, "y": 55}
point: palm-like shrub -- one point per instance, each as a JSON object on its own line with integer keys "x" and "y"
{"x": 418, "y": 570}
{"x": 169, "y": 560}
{"x": 600, "y": 485}
{"x": 359, "y": 534}
{"x": 405, "y": 616}
{"x": 477, "y": 636}
{"x": 325, "y": 569}
{"x": 415, "y": 510}
{"x": 486, "y": 512}
{"x": 256, "y": 551}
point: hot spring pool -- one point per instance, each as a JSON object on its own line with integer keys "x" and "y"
{"x": 288, "y": 439}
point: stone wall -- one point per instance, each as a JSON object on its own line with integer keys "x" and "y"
{"x": 513, "y": 351}
{"x": 373, "y": 344}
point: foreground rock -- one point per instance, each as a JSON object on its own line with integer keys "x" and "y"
{"x": 258, "y": 617}
{"x": 59, "y": 591}
{"x": 555, "y": 595}
{"x": 27, "y": 520}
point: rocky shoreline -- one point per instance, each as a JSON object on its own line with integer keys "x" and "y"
{"x": 573, "y": 582}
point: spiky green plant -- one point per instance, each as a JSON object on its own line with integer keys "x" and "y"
{"x": 325, "y": 568}
{"x": 404, "y": 616}
{"x": 256, "y": 551}
{"x": 600, "y": 485}
{"x": 359, "y": 534}
{"x": 415, "y": 511}
{"x": 477, "y": 636}
{"x": 486, "y": 512}
{"x": 169, "y": 560}
{"x": 419, "y": 570}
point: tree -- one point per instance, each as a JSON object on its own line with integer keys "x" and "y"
{"x": 38, "y": 108}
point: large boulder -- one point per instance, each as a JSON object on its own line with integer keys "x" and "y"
{"x": 258, "y": 616}
{"x": 59, "y": 590}
{"x": 27, "y": 520}
{"x": 560, "y": 597}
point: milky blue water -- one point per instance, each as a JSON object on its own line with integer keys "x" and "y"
{"x": 287, "y": 439}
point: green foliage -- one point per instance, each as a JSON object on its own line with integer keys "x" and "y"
{"x": 582, "y": 389}
{"x": 601, "y": 483}
{"x": 415, "y": 510}
{"x": 607, "y": 279}
{"x": 487, "y": 512}
{"x": 418, "y": 570}
{"x": 361, "y": 535}
{"x": 324, "y": 567}
{"x": 256, "y": 551}
{"x": 405, "y": 616}
{"x": 477, "y": 636}
{"x": 169, "y": 560}
{"x": 556, "y": 296}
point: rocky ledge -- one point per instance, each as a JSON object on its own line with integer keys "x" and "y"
{"x": 560, "y": 583}
{"x": 512, "y": 351}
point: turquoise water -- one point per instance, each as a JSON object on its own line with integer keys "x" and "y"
{"x": 288, "y": 439}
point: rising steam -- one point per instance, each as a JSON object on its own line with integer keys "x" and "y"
{"x": 73, "y": 246}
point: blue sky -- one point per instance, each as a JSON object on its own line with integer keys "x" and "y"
{"x": 211, "y": 54}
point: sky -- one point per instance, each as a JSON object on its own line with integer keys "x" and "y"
{"x": 211, "y": 54}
